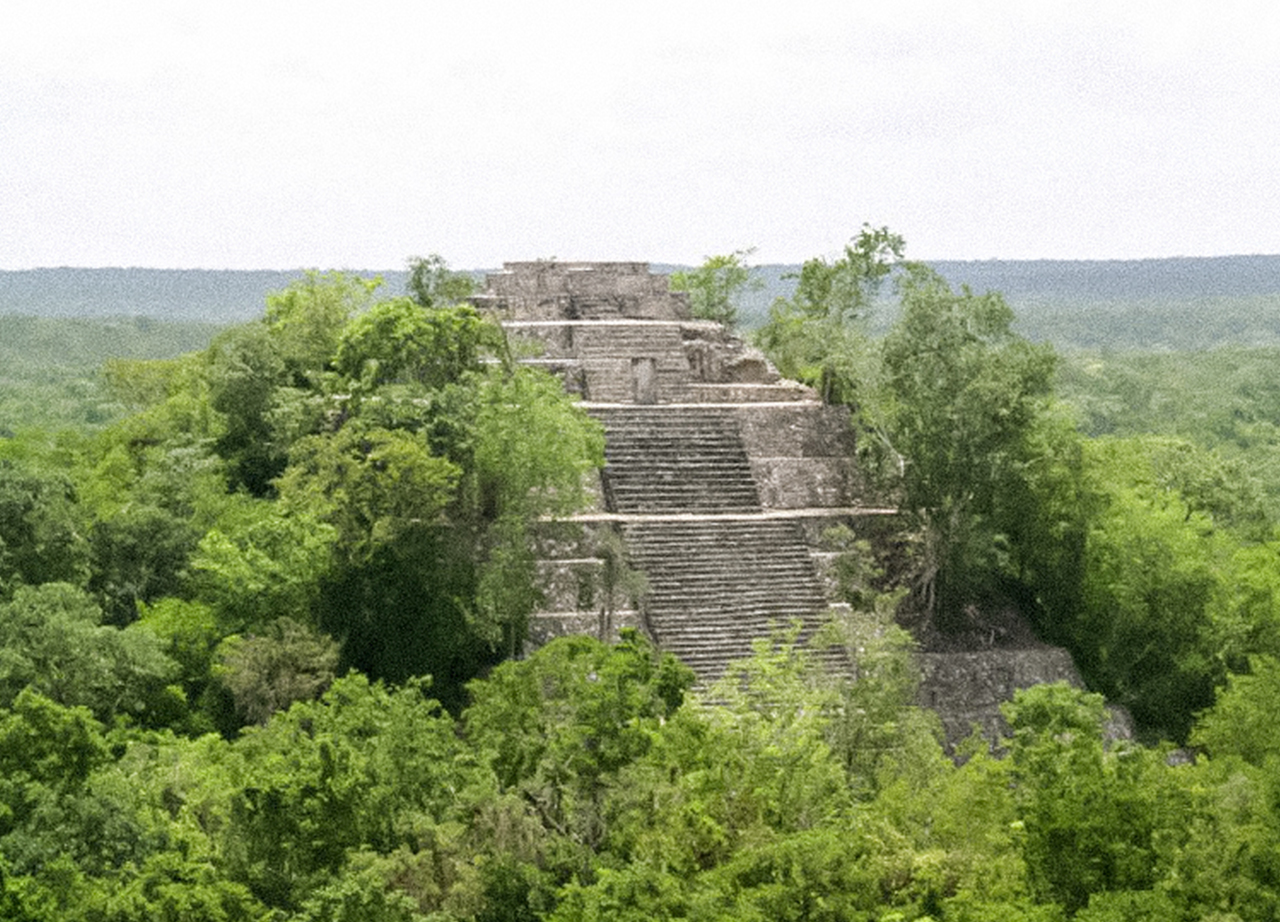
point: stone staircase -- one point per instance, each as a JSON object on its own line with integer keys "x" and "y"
{"x": 677, "y": 459}
{"x": 608, "y": 354}
{"x": 721, "y": 571}
{"x": 718, "y": 583}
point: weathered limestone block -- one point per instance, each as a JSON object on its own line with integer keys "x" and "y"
{"x": 804, "y": 483}
{"x": 967, "y": 689}
{"x": 569, "y": 584}
{"x": 802, "y": 455}
{"x": 799, "y": 430}
{"x": 716, "y": 356}
{"x": 735, "y": 392}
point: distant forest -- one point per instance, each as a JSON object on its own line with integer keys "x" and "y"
{"x": 1152, "y": 304}
{"x": 218, "y": 296}
{"x": 1149, "y": 304}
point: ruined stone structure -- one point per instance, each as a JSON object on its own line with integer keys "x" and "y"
{"x": 720, "y": 479}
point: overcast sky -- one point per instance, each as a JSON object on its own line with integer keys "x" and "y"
{"x": 281, "y": 134}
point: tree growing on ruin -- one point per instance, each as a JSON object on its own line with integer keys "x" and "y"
{"x": 963, "y": 395}
{"x": 819, "y": 335}
{"x": 716, "y": 287}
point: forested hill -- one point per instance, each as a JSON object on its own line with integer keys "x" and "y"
{"x": 221, "y": 296}
{"x": 1110, "y": 280}
{"x": 1146, "y": 304}
{"x": 1184, "y": 303}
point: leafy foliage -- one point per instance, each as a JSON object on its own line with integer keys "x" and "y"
{"x": 841, "y": 290}
{"x": 432, "y": 283}
{"x": 966, "y": 392}
{"x": 819, "y": 335}
{"x": 715, "y": 287}
{"x": 397, "y": 342}
{"x": 52, "y": 640}
{"x": 267, "y": 673}
{"x": 1086, "y": 818}
{"x": 41, "y": 530}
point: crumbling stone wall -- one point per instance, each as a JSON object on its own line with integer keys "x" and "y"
{"x": 548, "y": 290}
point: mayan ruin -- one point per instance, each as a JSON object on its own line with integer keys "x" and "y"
{"x": 720, "y": 481}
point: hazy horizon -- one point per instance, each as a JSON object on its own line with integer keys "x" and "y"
{"x": 652, "y": 262}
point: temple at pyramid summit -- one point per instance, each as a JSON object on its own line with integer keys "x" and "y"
{"x": 721, "y": 480}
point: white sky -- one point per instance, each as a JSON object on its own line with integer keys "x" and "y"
{"x": 287, "y": 133}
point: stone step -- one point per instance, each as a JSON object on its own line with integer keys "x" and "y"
{"x": 773, "y": 569}
{"x": 786, "y": 589}
{"x": 769, "y": 564}
{"x": 633, "y": 504}
{"x": 728, "y": 475}
{"x": 672, "y": 462}
{"x": 698, "y": 440}
{"x": 641, "y": 449}
{"x": 682, "y": 461}
{"x": 715, "y": 586}
{"x": 766, "y": 565}
{"x": 730, "y": 600}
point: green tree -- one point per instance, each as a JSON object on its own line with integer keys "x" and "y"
{"x": 1042, "y": 519}
{"x": 556, "y": 726}
{"x": 246, "y": 370}
{"x": 189, "y": 634}
{"x": 399, "y": 341}
{"x": 965, "y": 393}
{"x": 844, "y": 288}
{"x": 42, "y": 530}
{"x": 47, "y": 742}
{"x": 1087, "y": 812}
{"x": 876, "y": 720}
{"x": 1218, "y": 844}
{"x": 372, "y": 485}
{"x": 819, "y": 335}
{"x": 401, "y": 579}
{"x": 261, "y": 562}
{"x": 433, "y": 284}
{"x": 1241, "y": 723}
{"x": 363, "y": 769}
{"x": 556, "y": 730}
{"x": 1147, "y": 629}
{"x": 52, "y": 639}
{"x": 140, "y": 555}
{"x": 142, "y": 383}
{"x": 266, "y": 673}
{"x": 305, "y": 320}
{"x": 716, "y": 286}
{"x": 533, "y": 452}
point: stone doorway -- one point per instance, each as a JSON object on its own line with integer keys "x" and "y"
{"x": 644, "y": 380}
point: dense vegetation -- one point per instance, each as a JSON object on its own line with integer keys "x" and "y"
{"x": 1138, "y": 535}
{"x": 256, "y": 619}
{"x": 344, "y": 468}
{"x": 51, "y": 369}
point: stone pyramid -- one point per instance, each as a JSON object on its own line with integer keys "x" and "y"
{"x": 720, "y": 480}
